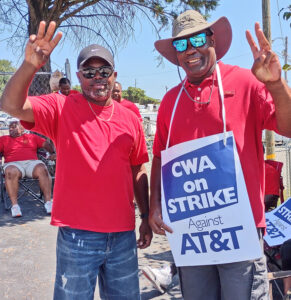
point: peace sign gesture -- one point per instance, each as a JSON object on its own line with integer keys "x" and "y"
{"x": 266, "y": 65}
{"x": 40, "y": 46}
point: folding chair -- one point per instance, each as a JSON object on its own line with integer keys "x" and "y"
{"x": 273, "y": 276}
{"x": 27, "y": 186}
{"x": 275, "y": 273}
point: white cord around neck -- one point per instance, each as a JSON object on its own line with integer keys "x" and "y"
{"x": 189, "y": 96}
{"x": 100, "y": 117}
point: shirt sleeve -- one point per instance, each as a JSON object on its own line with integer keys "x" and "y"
{"x": 39, "y": 141}
{"x": 267, "y": 108}
{"x": 139, "y": 154}
{"x": 46, "y": 113}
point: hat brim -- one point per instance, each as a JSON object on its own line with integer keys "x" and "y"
{"x": 221, "y": 29}
{"x": 95, "y": 56}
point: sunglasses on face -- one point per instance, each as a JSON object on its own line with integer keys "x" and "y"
{"x": 104, "y": 72}
{"x": 196, "y": 41}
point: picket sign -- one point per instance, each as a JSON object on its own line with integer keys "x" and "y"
{"x": 279, "y": 224}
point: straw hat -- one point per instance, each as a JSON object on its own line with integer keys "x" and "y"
{"x": 191, "y": 22}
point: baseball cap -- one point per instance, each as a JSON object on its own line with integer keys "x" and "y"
{"x": 94, "y": 50}
{"x": 13, "y": 120}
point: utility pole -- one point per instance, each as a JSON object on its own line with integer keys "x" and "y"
{"x": 286, "y": 57}
{"x": 285, "y": 54}
{"x": 68, "y": 69}
{"x": 269, "y": 135}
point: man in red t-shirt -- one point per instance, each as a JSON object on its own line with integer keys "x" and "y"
{"x": 101, "y": 153}
{"x": 20, "y": 156}
{"x": 117, "y": 96}
{"x": 215, "y": 98}
{"x": 65, "y": 87}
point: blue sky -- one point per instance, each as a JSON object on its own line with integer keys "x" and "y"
{"x": 136, "y": 63}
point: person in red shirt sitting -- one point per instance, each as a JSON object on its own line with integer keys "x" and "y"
{"x": 65, "y": 87}
{"x": 20, "y": 154}
{"x": 117, "y": 96}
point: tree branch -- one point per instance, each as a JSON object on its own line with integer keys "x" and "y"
{"x": 74, "y": 12}
{"x": 89, "y": 29}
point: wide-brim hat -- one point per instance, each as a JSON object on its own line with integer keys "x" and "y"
{"x": 191, "y": 22}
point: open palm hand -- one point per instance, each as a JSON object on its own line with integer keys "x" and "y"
{"x": 40, "y": 46}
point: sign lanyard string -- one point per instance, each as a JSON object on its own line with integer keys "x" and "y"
{"x": 221, "y": 94}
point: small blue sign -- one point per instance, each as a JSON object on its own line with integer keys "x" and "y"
{"x": 284, "y": 212}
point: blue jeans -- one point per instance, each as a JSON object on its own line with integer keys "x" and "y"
{"x": 84, "y": 255}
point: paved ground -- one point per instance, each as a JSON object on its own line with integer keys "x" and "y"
{"x": 27, "y": 257}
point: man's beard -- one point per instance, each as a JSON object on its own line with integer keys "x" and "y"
{"x": 98, "y": 94}
{"x": 14, "y": 135}
{"x": 116, "y": 98}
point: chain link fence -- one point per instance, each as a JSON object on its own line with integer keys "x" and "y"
{"x": 149, "y": 127}
{"x": 283, "y": 154}
{"x": 39, "y": 86}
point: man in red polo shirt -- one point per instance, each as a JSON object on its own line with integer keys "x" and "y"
{"x": 101, "y": 153}
{"x": 117, "y": 96}
{"x": 20, "y": 156}
{"x": 215, "y": 98}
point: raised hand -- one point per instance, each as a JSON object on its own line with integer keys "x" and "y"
{"x": 40, "y": 46}
{"x": 266, "y": 67}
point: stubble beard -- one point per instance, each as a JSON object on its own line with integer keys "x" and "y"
{"x": 97, "y": 95}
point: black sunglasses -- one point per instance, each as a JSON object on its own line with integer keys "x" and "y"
{"x": 104, "y": 72}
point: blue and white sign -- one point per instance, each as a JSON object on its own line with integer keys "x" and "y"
{"x": 205, "y": 202}
{"x": 279, "y": 224}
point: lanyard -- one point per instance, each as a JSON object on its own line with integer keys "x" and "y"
{"x": 221, "y": 94}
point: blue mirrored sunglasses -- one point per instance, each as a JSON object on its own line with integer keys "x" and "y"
{"x": 196, "y": 41}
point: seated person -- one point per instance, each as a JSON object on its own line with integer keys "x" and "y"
{"x": 20, "y": 154}
{"x": 65, "y": 87}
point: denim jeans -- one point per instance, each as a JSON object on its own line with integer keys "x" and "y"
{"x": 84, "y": 255}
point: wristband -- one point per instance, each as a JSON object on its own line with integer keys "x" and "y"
{"x": 143, "y": 216}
